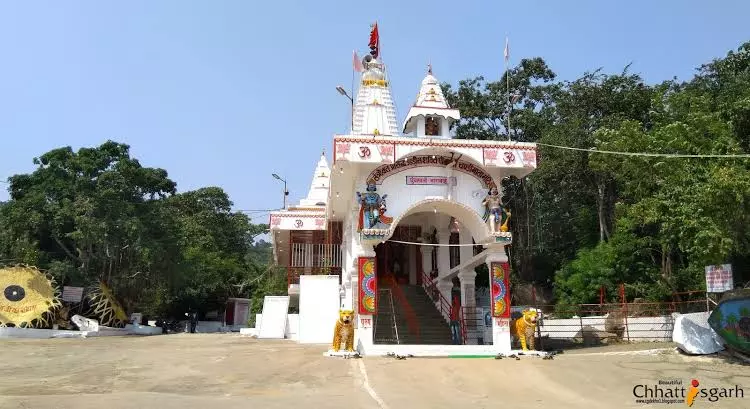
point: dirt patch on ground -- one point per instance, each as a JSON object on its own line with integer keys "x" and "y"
{"x": 229, "y": 371}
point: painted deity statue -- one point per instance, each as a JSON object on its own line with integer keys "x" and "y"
{"x": 372, "y": 209}
{"x": 497, "y": 216}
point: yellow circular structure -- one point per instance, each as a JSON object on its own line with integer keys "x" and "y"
{"x": 106, "y": 308}
{"x": 28, "y": 297}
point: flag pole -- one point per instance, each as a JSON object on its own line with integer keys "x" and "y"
{"x": 351, "y": 92}
{"x": 507, "y": 82}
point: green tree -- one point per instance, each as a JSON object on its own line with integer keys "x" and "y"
{"x": 583, "y": 218}
{"x": 97, "y": 214}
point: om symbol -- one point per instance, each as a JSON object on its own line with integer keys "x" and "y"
{"x": 298, "y": 223}
{"x": 364, "y": 152}
{"x": 509, "y": 157}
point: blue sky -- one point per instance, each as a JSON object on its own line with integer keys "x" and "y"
{"x": 225, "y": 93}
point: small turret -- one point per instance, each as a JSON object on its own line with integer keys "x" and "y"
{"x": 431, "y": 116}
{"x": 318, "y": 193}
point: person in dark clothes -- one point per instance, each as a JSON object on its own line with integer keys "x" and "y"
{"x": 193, "y": 317}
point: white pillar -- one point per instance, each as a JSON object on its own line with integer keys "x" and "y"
{"x": 413, "y": 273}
{"x": 444, "y": 256}
{"x": 427, "y": 259}
{"x": 445, "y": 287}
{"x": 348, "y": 274}
{"x": 464, "y": 238}
{"x": 468, "y": 289}
{"x": 500, "y": 326}
{"x": 445, "y": 126}
{"x": 420, "y": 126}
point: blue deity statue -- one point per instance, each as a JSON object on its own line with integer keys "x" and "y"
{"x": 495, "y": 215}
{"x": 372, "y": 209}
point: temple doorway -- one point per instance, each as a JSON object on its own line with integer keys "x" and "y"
{"x": 399, "y": 258}
{"x": 393, "y": 258}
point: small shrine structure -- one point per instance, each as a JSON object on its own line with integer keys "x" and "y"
{"x": 405, "y": 214}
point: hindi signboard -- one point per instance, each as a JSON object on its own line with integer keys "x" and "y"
{"x": 431, "y": 180}
{"x": 72, "y": 294}
{"x": 719, "y": 278}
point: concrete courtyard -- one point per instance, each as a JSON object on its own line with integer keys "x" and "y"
{"x": 229, "y": 371}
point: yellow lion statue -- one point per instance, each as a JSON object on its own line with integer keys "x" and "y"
{"x": 344, "y": 331}
{"x": 524, "y": 328}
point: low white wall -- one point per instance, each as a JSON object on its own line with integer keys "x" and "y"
{"x": 437, "y": 350}
{"x": 12, "y": 332}
{"x": 569, "y": 327}
{"x": 208, "y": 327}
{"x": 143, "y": 329}
{"x": 292, "y": 326}
{"x": 650, "y": 328}
{"x": 636, "y": 329}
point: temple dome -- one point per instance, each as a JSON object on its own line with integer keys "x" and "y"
{"x": 321, "y": 182}
{"x": 374, "y": 110}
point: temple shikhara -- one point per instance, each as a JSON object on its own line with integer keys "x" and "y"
{"x": 395, "y": 223}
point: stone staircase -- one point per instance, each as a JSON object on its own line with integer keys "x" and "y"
{"x": 433, "y": 329}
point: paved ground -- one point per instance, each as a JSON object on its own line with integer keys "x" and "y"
{"x": 229, "y": 371}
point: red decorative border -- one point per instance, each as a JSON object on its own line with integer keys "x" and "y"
{"x": 368, "y": 286}
{"x": 435, "y": 142}
{"x": 500, "y": 288}
{"x": 299, "y": 215}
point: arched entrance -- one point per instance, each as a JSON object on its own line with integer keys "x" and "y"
{"x": 419, "y": 303}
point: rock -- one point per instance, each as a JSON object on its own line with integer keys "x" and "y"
{"x": 85, "y": 324}
{"x": 693, "y": 335}
{"x": 589, "y": 335}
{"x": 615, "y": 322}
{"x": 736, "y": 293}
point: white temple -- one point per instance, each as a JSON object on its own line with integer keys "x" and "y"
{"x": 397, "y": 225}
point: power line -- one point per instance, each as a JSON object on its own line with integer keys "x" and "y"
{"x": 658, "y": 155}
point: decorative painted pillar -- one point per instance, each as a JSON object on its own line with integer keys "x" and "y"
{"x": 364, "y": 289}
{"x": 499, "y": 270}
{"x": 367, "y": 286}
{"x": 469, "y": 304}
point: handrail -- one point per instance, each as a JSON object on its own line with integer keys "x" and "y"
{"x": 410, "y": 315}
{"x": 472, "y": 318}
{"x": 462, "y": 324}
{"x": 394, "y": 329}
{"x": 443, "y": 305}
{"x": 393, "y": 316}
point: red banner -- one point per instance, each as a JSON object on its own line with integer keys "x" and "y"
{"x": 500, "y": 282}
{"x": 368, "y": 286}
